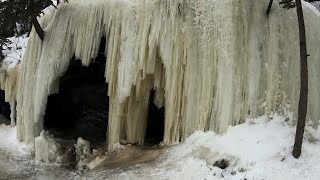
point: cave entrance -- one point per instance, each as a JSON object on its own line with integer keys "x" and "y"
{"x": 155, "y": 123}
{"x": 4, "y": 109}
{"x": 80, "y": 109}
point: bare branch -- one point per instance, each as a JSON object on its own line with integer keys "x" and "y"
{"x": 37, "y": 27}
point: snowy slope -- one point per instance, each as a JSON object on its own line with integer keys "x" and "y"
{"x": 14, "y": 51}
{"x": 258, "y": 149}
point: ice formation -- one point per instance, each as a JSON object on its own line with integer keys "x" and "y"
{"x": 212, "y": 63}
{"x": 83, "y": 152}
{"x": 9, "y": 70}
{"x": 47, "y": 149}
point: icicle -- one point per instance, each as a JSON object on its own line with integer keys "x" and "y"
{"x": 13, "y": 113}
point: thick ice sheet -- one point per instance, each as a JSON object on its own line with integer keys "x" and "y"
{"x": 212, "y": 63}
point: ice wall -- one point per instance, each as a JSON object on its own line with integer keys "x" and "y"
{"x": 212, "y": 63}
{"x": 8, "y": 82}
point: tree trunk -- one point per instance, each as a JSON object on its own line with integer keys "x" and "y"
{"x": 269, "y": 7}
{"x": 303, "y": 99}
{"x": 37, "y": 27}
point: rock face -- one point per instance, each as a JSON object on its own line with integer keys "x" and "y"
{"x": 211, "y": 64}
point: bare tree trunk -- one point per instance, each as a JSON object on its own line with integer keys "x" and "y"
{"x": 269, "y": 7}
{"x": 303, "y": 99}
{"x": 37, "y": 27}
{"x": 34, "y": 20}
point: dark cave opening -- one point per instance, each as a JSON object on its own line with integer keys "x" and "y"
{"x": 80, "y": 109}
{"x": 4, "y": 109}
{"x": 155, "y": 123}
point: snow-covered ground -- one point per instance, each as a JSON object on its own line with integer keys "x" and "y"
{"x": 258, "y": 149}
{"x": 9, "y": 144}
{"x": 17, "y": 163}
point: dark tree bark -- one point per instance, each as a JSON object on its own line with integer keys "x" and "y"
{"x": 269, "y": 7}
{"x": 303, "y": 99}
{"x": 34, "y": 13}
{"x": 37, "y": 27}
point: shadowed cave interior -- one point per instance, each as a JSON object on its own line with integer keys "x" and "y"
{"x": 80, "y": 109}
{"x": 4, "y": 109}
{"x": 155, "y": 124}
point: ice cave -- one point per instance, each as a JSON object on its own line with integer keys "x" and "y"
{"x": 80, "y": 108}
{"x": 155, "y": 71}
{"x": 5, "y": 110}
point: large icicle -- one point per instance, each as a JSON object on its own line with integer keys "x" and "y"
{"x": 213, "y": 63}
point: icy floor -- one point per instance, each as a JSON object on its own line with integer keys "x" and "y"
{"x": 17, "y": 163}
{"x": 259, "y": 149}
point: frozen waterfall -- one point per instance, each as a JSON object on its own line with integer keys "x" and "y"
{"x": 212, "y": 63}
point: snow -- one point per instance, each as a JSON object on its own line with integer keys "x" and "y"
{"x": 9, "y": 70}
{"x": 262, "y": 147}
{"x": 14, "y": 51}
{"x": 13, "y": 55}
{"x": 17, "y": 162}
{"x": 257, "y": 146}
{"x": 258, "y": 149}
{"x": 9, "y": 143}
